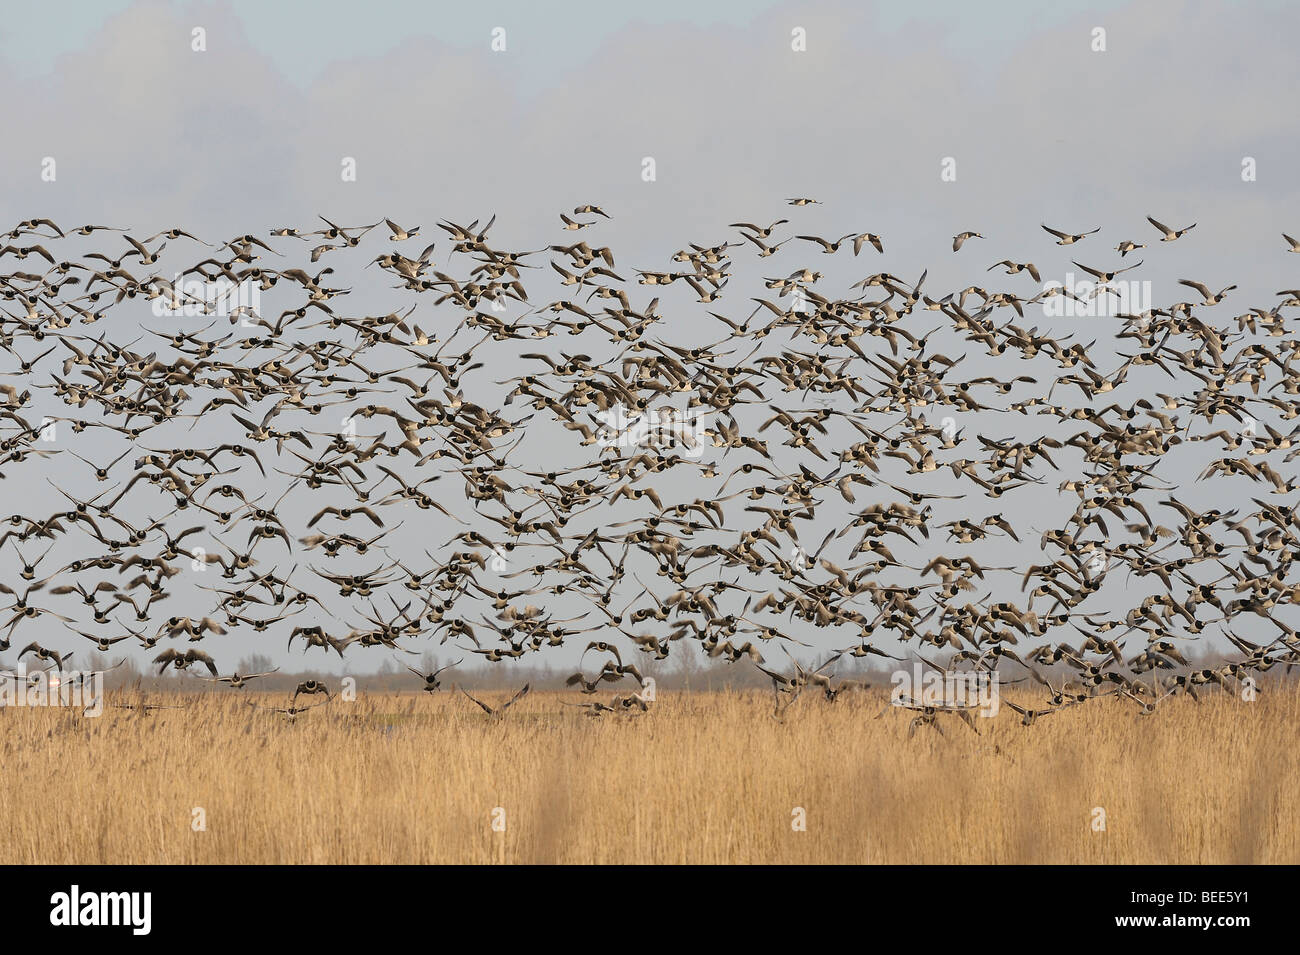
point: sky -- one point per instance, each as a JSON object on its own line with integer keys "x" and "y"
{"x": 305, "y": 39}
{"x": 1041, "y": 127}
{"x": 250, "y": 133}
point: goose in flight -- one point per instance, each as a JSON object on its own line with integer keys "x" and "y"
{"x": 1210, "y": 299}
{"x": 312, "y": 687}
{"x": 292, "y": 711}
{"x": 1145, "y": 707}
{"x": 400, "y": 234}
{"x": 1295, "y": 246}
{"x": 102, "y": 643}
{"x": 142, "y": 708}
{"x": 1170, "y": 234}
{"x": 759, "y": 233}
{"x": 43, "y": 654}
{"x": 1106, "y": 276}
{"x": 182, "y": 661}
{"x": 1028, "y": 717}
{"x": 238, "y": 681}
{"x": 501, "y": 710}
{"x": 960, "y": 239}
{"x": 1016, "y": 267}
{"x": 1065, "y": 238}
{"x": 594, "y": 708}
{"x": 860, "y": 240}
{"x": 828, "y": 247}
{"x": 431, "y": 679}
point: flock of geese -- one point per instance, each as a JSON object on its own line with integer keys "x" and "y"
{"x": 640, "y": 469}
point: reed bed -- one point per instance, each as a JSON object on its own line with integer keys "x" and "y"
{"x": 701, "y": 778}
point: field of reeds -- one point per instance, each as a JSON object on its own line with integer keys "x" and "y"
{"x": 702, "y": 777}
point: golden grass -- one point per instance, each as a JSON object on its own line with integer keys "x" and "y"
{"x": 705, "y": 778}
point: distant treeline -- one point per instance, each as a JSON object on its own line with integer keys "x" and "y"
{"x": 699, "y": 675}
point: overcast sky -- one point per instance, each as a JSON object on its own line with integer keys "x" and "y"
{"x": 148, "y": 133}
